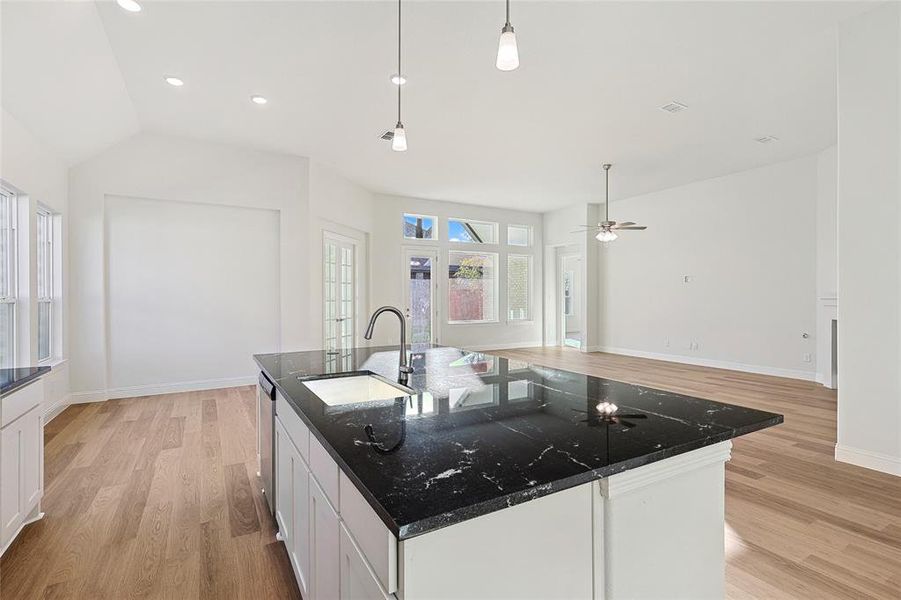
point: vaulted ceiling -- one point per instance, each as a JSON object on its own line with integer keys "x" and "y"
{"x": 83, "y": 75}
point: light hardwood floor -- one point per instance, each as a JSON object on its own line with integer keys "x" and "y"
{"x": 152, "y": 497}
{"x": 157, "y": 498}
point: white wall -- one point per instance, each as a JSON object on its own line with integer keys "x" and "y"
{"x": 340, "y": 207}
{"x": 179, "y": 170}
{"x": 193, "y": 290}
{"x": 387, "y": 281}
{"x": 869, "y": 239}
{"x": 29, "y": 166}
{"x": 748, "y": 243}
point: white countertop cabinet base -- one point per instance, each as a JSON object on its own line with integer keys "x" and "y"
{"x": 655, "y": 531}
{"x": 21, "y": 461}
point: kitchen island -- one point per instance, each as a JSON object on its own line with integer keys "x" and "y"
{"x": 486, "y": 477}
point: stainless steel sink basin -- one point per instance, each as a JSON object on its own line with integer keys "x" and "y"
{"x": 337, "y": 391}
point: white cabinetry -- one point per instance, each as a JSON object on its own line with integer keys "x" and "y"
{"x": 325, "y": 530}
{"x": 21, "y": 460}
{"x": 312, "y": 501}
{"x": 358, "y": 580}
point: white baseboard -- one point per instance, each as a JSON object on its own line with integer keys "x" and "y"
{"x": 507, "y": 346}
{"x": 163, "y": 388}
{"x": 707, "y": 362}
{"x": 867, "y": 459}
{"x": 56, "y": 409}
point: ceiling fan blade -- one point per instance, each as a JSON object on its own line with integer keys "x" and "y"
{"x": 632, "y": 228}
{"x": 626, "y": 223}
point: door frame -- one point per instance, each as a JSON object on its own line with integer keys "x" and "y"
{"x": 434, "y": 254}
{"x": 340, "y": 239}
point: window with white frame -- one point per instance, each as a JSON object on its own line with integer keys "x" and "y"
{"x": 419, "y": 227}
{"x": 471, "y": 232}
{"x": 45, "y": 283}
{"x": 472, "y": 287}
{"x": 7, "y": 279}
{"x": 519, "y": 235}
{"x": 519, "y": 287}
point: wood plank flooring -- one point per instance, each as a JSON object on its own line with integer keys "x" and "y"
{"x": 157, "y": 497}
{"x": 798, "y": 523}
{"x": 153, "y": 497}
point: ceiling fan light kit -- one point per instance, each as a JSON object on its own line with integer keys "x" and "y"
{"x": 606, "y": 230}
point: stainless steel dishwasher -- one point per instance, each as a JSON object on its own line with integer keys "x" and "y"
{"x": 266, "y": 438}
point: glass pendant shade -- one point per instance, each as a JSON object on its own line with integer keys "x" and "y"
{"x": 399, "y": 141}
{"x": 507, "y": 53}
{"x": 605, "y": 235}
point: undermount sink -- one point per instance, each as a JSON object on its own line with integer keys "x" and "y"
{"x": 336, "y": 391}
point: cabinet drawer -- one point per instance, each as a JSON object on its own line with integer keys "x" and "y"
{"x": 21, "y": 401}
{"x": 377, "y": 544}
{"x": 325, "y": 470}
{"x": 294, "y": 426}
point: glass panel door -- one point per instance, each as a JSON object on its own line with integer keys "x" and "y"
{"x": 420, "y": 291}
{"x": 339, "y": 295}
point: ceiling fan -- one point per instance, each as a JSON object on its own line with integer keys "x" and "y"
{"x": 606, "y": 230}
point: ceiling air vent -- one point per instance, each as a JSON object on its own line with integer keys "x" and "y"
{"x": 673, "y": 107}
{"x": 767, "y": 139}
{"x": 387, "y": 136}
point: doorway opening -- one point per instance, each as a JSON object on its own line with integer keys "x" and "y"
{"x": 570, "y": 288}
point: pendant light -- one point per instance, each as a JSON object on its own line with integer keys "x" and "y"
{"x": 507, "y": 53}
{"x": 399, "y": 141}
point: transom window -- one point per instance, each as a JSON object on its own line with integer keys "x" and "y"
{"x": 419, "y": 227}
{"x": 471, "y": 232}
{"x": 519, "y": 235}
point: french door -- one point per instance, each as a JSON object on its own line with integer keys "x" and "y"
{"x": 339, "y": 273}
{"x": 420, "y": 270}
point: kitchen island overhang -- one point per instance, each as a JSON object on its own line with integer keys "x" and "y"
{"x": 482, "y": 435}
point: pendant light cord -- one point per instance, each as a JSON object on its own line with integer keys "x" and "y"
{"x": 508, "y": 12}
{"x": 399, "y": 72}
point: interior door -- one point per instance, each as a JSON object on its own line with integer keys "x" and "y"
{"x": 420, "y": 294}
{"x": 339, "y": 302}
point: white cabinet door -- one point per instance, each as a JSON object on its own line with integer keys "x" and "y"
{"x": 11, "y": 506}
{"x": 31, "y": 425}
{"x": 300, "y": 546}
{"x": 358, "y": 581}
{"x": 324, "y": 545}
{"x": 284, "y": 484}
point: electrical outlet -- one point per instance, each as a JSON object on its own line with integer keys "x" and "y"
{"x": 666, "y": 342}
{"x": 687, "y": 278}
{"x": 693, "y": 346}
{"x": 807, "y": 357}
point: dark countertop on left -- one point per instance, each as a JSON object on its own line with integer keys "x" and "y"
{"x": 13, "y": 379}
{"x": 483, "y": 433}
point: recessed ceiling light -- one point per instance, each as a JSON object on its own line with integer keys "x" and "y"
{"x": 398, "y": 79}
{"x": 129, "y": 5}
{"x": 766, "y": 139}
{"x": 174, "y": 81}
{"x": 258, "y": 100}
{"x": 673, "y": 107}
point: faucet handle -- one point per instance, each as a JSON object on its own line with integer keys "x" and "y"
{"x": 405, "y": 369}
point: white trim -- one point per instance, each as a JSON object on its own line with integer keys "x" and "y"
{"x": 507, "y": 346}
{"x": 162, "y": 388}
{"x": 708, "y": 362}
{"x": 29, "y": 521}
{"x": 867, "y": 459}
{"x": 633, "y": 479}
{"x": 52, "y": 412}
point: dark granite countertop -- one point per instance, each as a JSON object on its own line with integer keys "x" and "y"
{"x": 13, "y": 379}
{"x": 484, "y": 433}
